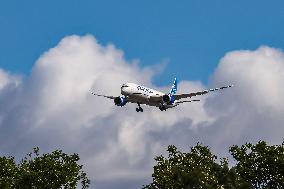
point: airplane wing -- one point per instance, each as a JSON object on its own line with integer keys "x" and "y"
{"x": 110, "y": 97}
{"x": 189, "y": 95}
{"x": 156, "y": 98}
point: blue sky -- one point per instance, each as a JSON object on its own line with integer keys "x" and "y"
{"x": 52, "y": 107}
{"x": 192, "y": 35}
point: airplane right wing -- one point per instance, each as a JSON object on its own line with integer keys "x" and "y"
{"x": 110, "y": 97}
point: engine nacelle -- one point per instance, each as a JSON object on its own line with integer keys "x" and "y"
{"x": 168, "y": 99}
{"x": 120, "y": 100}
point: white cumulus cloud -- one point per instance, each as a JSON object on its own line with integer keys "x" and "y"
{"x": 53, "y": 108}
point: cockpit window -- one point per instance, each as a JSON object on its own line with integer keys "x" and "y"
{"x": 124, "y": 85}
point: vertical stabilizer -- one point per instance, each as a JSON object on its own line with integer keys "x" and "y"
{"x": 174, "y": 87}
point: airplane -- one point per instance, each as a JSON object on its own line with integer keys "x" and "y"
{"x": 134, "y": 93}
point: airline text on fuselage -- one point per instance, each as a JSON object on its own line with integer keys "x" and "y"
{"x": 144, "y": 89}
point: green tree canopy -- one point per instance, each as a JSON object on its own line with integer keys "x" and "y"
{"x": 260, "y": 164}
{"x": 51, "y": 171}
{"x": 196, "y": 169}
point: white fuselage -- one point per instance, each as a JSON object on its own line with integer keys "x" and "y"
{"x": 140, "y": 94}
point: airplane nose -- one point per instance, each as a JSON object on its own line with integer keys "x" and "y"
{"x": 122, "y": 88}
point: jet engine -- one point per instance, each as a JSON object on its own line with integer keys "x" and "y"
{"x": 120, "y": 100}
{"x": 168, "y": 99}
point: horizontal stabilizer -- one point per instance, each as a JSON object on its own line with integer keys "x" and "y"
{"x": 179, "y": 102}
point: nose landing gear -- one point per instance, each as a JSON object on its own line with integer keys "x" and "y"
{"x": 139, "y": 109}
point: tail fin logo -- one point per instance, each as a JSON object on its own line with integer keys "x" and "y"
{"x": 174, "y": 87}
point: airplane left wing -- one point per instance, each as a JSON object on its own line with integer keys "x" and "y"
{"x": 189, "y": 95}
{"x": 110, "y": 97}
{"x": 156, "y": 98}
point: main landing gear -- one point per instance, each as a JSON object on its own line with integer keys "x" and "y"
{"x": 162, "y": 108}
{"x": 139, "y": 109}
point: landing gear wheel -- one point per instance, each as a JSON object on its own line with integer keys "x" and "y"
{"x": 139, "y": 109}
